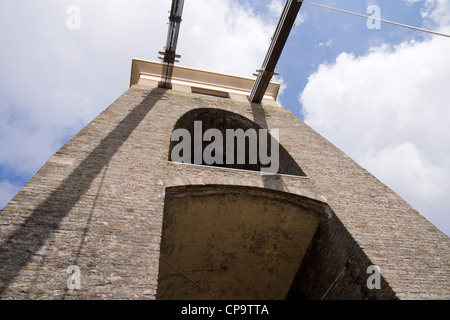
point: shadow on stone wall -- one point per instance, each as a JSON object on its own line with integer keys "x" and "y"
{"x": 19, "y": 248}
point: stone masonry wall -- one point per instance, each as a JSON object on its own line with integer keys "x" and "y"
{"x": 98, "y": 204}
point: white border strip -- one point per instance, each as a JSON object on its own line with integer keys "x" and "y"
{"x": 239, "y": 170}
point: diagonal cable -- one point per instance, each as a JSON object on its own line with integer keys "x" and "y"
{"x": 189, "y": 278}
{"x": 378, "y": 19}
{"x": 334, "y": 282}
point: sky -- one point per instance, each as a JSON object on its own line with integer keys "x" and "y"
{"x": 379, "y": 92}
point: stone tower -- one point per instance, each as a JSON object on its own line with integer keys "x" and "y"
{"x": 112, "y": 216}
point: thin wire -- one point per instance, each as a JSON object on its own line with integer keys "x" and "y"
{"x": 186, "y": 276}
{"x": 379, "y": 19}
{"x": 333, "y": 283}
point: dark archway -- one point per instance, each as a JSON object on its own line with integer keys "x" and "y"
{"x": 223, "y": 120}
{"x": 233, "y": 242}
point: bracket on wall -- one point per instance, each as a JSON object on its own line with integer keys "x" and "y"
{"x": 169, "y": 55}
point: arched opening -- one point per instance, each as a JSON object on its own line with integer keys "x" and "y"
{"x": 233, "y": 242}
{"x": 245, "y": 150}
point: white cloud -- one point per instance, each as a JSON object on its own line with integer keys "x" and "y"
{"x": 235, "y": 40}
{"x": 412, "y": 173}
{"x": 301, "y": 18}
{"x": 55, "y": 80}
{"x": 406, "y": 168}
{"x": 411, "y": 1}
{"x": 436, "y": 13}
{"x": 283, "y": 87}
{"x": 390, "y": 111}
{"x": 276, "y": 7}
{"x": 329, "y": 43}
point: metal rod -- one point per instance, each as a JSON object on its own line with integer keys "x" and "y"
{"x": 171, "y": 43}
{"x": 287, "y": 19}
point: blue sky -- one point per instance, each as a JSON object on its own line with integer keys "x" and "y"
{"x": 378, "y": 94}
{"x": 326, "y": 33}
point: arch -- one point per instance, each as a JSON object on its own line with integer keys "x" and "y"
{"x": 233, "y": 242}
{"x": 222, "y": 121}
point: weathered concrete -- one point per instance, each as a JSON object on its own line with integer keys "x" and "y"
{"x": 241, "y": 243}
